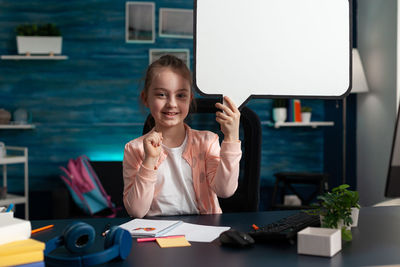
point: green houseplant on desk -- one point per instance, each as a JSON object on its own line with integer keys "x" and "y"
{"x": 335, "y": 209}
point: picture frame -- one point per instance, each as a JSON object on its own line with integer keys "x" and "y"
{"x": 140, "y": 22}
{"x": 183, "y": 54}
{"x": 176, "y": 23}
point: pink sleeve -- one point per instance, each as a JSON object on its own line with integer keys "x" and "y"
{"x": 223, "y": 167}
{"x": 139, "y": 183}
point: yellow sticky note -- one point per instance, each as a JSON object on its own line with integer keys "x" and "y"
{"x": 173, "y": 242}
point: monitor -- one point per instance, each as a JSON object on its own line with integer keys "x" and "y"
{"x": 393, "y": 177}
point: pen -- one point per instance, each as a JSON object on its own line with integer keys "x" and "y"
{"x": 106, "y": 229}
{"x": 147, "y": 239}
{"x": 10, "y": 207}
{"x": 42, "y": 228}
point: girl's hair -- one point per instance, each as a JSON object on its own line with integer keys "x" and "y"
{"x": 166, "y": 61}
{"x": 176, "y": 65}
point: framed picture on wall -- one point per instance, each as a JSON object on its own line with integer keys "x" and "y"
{"x": 140, "y": 22}
{"x": 183, "y": 54}
{"x": 176, "y": 23}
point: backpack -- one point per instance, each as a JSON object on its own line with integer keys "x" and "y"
{"x": 85, "y": 187}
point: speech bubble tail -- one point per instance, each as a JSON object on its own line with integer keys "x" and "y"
{"x": 239, "y": 100}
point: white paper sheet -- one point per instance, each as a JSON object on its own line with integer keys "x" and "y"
{"x": 197, "y": 232}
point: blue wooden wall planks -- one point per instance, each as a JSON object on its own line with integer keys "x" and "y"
{"x": 89, "y": 103}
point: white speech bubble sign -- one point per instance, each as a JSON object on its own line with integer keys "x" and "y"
{"x": 273, "y": 48}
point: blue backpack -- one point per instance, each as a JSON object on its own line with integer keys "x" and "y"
{"x": 85, "y": 187}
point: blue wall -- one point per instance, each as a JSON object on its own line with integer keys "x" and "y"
{"x": 89, "y": 104}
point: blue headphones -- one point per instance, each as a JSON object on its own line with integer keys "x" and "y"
{"x": 78, "y": 237}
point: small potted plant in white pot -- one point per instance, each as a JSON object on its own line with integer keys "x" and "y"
{"x": 306, "y": 114}
{"x": 279, "y": 111}
{"x": 337, "y": 209}
{"x": 38, "y": 39}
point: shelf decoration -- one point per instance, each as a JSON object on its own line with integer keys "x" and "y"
{"x": 176, "y": 23}
{"x": 33, "y": 39}
{"x": 294, "y": 113}
{"x": 183, "y": 54}
{"x": 140, "y": 22}
{"x": 306, "y": 114}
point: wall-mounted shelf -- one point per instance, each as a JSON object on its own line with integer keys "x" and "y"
{"x": 313, "y": 124}
{"x": 17, "y": 126}
{"x": 21, "y": 156}
{"x": 33, "y": 57}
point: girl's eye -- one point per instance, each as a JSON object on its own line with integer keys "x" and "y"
{"x": 160, "y": 94}
{"x": 182, "y": 95}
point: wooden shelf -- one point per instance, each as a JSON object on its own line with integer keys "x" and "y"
{"x": 15, "y": 199}
{"x": 33, "y": 57}
{"x": 13, "y": 159}
{"x": 17, "y": 126}
{"x": 313, "y": 124}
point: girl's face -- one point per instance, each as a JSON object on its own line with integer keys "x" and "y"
{"x": 168, "y": 98}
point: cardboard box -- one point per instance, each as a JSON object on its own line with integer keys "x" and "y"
{"x": 319, "y": 241}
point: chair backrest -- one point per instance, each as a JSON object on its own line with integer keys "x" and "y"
{"x": 246, "y": 197}
{"x": 312, "y": 185}
{"x": 110, "y": 175}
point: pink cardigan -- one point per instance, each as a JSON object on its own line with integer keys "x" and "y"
{"x": 215, "y": 172}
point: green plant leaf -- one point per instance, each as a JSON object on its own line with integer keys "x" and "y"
{"x": 346, "y": 234}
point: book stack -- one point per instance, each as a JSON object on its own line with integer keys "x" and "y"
{"x": 16, "y": 246}
{"x": 294, "y": 110}
{"x": 28, "y": 252}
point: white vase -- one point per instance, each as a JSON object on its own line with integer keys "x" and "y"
{"x": 354, "y": 215}
{"x": 39, "y": 44}
{"x": 306, "y": 116}
{"x": 279, "y": 114}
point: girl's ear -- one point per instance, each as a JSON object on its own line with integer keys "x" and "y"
{"x": 143, "y": 96}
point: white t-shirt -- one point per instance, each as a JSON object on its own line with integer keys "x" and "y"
{"x": 174, "y": 192}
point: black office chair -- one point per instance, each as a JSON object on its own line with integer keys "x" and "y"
{"x": 312, "y": 185}
{"x": 246, "y": 197}
{"x": 110, "y": 176}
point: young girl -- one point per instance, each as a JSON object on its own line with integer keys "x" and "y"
{"x": 174, "y": 169}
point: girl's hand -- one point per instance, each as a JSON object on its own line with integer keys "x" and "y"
{"x": 152, "y": 149}
{"x": 229, "y": 119}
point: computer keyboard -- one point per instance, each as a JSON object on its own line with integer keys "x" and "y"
{"x": 285, "y": 229}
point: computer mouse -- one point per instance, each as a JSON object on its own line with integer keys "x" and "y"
{"x": 234, "y": 238}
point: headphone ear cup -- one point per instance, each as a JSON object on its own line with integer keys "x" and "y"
{"x": 121, "y": 238}
{"x": 109, "y": 241}
{"x": 78, "y": 237}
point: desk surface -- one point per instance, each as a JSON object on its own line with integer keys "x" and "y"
{"x": 376, "y": 241}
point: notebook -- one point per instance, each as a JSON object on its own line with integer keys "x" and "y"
{"x": 149, "y": 228}
{"x": 158, "y": 228}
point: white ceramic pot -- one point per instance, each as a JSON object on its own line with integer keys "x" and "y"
{"x": 306, "y": 116}
{"x": 354, "y": 216}
{"x": 279, "y": 114}
{"x": 39, "y": 44}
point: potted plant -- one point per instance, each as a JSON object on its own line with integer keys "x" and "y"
{"x": 306, "y": 114}
{"x": 336, "y": 209}
{"x": 38, "y": 39}
{"x": 279, "y": 111}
